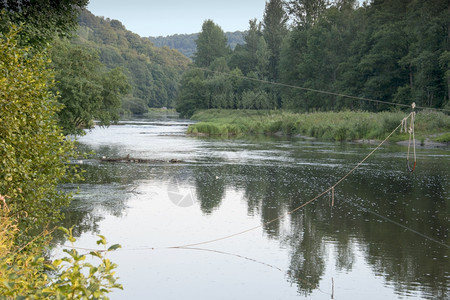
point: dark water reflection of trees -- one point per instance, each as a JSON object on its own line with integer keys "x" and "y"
{"x": 418, "y": 201}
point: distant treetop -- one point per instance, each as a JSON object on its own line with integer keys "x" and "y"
{"x": 185, "y": 43}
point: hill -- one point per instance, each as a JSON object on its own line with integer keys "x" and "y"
{"x": 185, "y": 43}
{"x": 153, "y": 72}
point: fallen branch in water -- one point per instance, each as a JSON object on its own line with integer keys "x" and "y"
{"x": 129, "y": 159}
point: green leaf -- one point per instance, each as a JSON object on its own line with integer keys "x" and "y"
{"x": 96, "y": 253}
{"x": 102, "y": 240}
{"x": 114, "y": 247}
{"x": 63, "y": 229}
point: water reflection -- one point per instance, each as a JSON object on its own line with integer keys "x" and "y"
{"x": 273, "y": 177}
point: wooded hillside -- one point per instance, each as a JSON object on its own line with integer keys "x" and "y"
{"x": 152, "y": 72}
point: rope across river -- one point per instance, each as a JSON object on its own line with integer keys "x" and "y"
{"x": 324, "y": 192}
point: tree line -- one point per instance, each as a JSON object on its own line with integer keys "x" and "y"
{"x": 391, "y": 51}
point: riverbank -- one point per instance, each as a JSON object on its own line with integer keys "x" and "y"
{"x": 430, "y": 126}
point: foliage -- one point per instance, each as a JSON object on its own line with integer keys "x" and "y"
{"x": 40, "y": 20}
{"x": 153, "y": 73}
{"x": 307, "y": 12}
{"x": 185, "y": 43}
{"x": 192, "y": 90}
{"x": 274, "y": 23}
{"x": 34, "y": 158}
{"x": 211, "y": 44}
{"x": 25, "y": 273}
{"x": 253, "y": 58}
{"x": 34, "y": 154}
{"x": 390, "y": 51}
{"x": 86, "y": 89}
{"x": 218, "y": 87}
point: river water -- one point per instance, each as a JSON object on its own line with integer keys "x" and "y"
{"x": 386, "y": 236}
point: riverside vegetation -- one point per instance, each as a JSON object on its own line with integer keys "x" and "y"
{"x": 35, "y": 159}
{"x": 339, "y": 126}
{"x": 395, "y": 52}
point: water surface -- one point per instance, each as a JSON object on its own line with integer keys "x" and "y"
{"x": 386, "y": 237}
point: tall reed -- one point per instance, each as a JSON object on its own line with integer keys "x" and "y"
{"x": 339, "y": 126}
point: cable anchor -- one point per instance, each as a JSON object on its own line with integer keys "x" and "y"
{"x": 411, "y": 134}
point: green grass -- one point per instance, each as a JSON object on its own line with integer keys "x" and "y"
{"x": 339, "y": 126}
{"x": 443, "y": 138}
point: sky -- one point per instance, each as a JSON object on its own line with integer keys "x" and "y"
{"x": 168, "y": 17}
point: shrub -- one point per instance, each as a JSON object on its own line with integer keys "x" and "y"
{"x": 25, "y": 273}
{"x": 34, "y": 154}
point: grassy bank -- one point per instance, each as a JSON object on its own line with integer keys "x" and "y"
{"x": 340, "y": 126}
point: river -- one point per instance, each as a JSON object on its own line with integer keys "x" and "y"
{"x": 384, "y": 234}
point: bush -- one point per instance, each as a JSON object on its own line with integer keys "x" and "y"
{"x": 34, "y": 159}
{"x": 34, "y": 154}
{"x": 24, "y": 270}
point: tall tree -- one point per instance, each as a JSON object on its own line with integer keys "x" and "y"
{"x": 319, "y": 56}
{"x": 428, "y": 60}
{"x": 307, "y": 12}
{"x": 192, "y": 95}
{"x": 252, "y": 37}
{"x": 382, "y": 45}
{"x": 293, "y": 50}
{"x": 274, "y": 24}
{"x": 263, "y": 56}
{"x": 252, "y": 57}
{"x": 211, "y": 44}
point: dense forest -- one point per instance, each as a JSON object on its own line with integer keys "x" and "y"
{"x": 185, "y": 43}
{"x": 152, "y": 72}
{"x": 390, "y": 51}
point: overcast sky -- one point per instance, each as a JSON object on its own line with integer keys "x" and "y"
{"x": 167, "y": 17}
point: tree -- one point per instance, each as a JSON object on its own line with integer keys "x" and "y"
{"x": 192, "y": 94}
{"x": 244, "y": 56}
{"x": 427, "y": 61}
{"x": 211, "y": 44}
{"x": 263, "y": 59}
{"x": 34, "y": 154}
{"x": 40, "y": 20}
{"x": 87, "y": 91}
{"x": 306, "y": 13}
{"x": 292, "y": 53}
{"x": 274, "y": 24}
{"x": 114, "y": 86}
{"x": 321, "y": 54}
{"x": 218, "y": 85}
